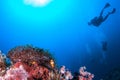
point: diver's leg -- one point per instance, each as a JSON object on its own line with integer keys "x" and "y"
{"x": 106, "y": 17}
{"x": 113, "y": 11}
{"x": 106, "y": 6}
{"x": 101, "y": 12}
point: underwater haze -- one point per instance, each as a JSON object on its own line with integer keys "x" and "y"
{"x": 61, "y": 26}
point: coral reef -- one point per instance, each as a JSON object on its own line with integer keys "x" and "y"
{"x": 31, "y": 63}
{"x": 30, "y": 55}
{"x": 28, "y": 63}
{"x": 2, "y": 64}
{"x": 83, "y": 74}
{"x": 16, "y": 73}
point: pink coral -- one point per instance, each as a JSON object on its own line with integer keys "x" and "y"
{"x": 16, "y": 73}
{"x": 84, "y": 75}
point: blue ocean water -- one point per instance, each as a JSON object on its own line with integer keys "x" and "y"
{"x": 61, "y": 27}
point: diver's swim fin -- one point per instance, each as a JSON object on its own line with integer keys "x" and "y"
{"x": 107, "y": 5}
{"x": 113, "y": 11}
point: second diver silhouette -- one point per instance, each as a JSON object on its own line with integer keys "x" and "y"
{"x": 96, "y": 21}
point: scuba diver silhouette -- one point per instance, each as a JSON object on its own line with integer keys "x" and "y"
{"x": 104, "y": 45}
{"x": 96, "y": 21}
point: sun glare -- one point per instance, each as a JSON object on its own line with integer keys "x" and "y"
{"x": 37, "y": 3}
